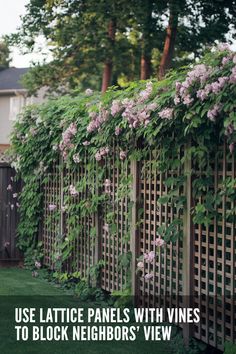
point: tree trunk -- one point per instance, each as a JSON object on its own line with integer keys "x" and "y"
{"x": 170, "y": 39}
{"x": 145, "y": 71}
{"x": 107, "y": 71}
{"x": 145, "y": 64}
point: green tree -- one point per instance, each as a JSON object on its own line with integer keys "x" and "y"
{"x": 4, "y": 55}
{"x": 99, "y": 43}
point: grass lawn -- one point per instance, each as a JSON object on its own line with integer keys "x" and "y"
{"x": 19, "y": 289}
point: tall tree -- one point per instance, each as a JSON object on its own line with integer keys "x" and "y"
{"x": 171, "y": 33}
{"x": 4, "y": 55}
{"x": 193, "y": 25}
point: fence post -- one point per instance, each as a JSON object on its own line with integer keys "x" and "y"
{"x": 98, "y": 226}
{"x": 187, "y": 243}
{"x": 134, "y": 238}
{"x": 61, "y": 186}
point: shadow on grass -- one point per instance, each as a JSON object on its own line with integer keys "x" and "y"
{"x": 19, "y": 289}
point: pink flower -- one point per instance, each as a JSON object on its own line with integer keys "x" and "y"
{"x": 14, "y": 195}
{"x": 148, "y": 276}
{"x": 6, "y": 244}
{"x": 117, "y": 131}
{"x": 223, "y": 46}
{"x": 159, "y": 242}
{"x": 101, "y": 153}
{"x": 86, "y": 143}
{"x": 231, "y": 148}
{"x": 107, "y": 185}
{"x": 9, "y": 187}
{"x": 123, "y": 155}
{"x": 187, "y": 100}
{"x": 229, "y": 130}
{"x": 106, "y": 227}
{"x": 149, "y": 257}
{"x": 212, "y": 114}
{"x": 76, "y": 158}
{"x": 116, "y": 107}
{"x": 37, "y": 264}
{"x": 52, "y": 207}
{"x": 98, "y": 157}
{"x": 152, "y": 106}
{"x": 145, "y": 94}
{"x": 88, "y": 92}
{"x": 140, "y": 265}
{"x": 73, "y": 191}
{"x": 225, "y": 60}
{"x": 166, "y": 113}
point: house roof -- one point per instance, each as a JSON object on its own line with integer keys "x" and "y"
{"x": 10, "y": 79}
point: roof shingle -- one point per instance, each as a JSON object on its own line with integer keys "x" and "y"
{"x": 10, "y": 78}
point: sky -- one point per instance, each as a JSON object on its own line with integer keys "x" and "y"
{"x": 10, "y": 13}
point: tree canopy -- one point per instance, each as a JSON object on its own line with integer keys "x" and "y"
{"x": 99, "y": 43}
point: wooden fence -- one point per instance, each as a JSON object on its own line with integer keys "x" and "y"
{"x": 198, "y": 270}
{"x": 9, "y": 216}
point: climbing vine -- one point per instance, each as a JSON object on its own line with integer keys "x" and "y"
{"x": 188, "y": 115}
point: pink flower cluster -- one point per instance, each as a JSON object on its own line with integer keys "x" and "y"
{"x": 232, "y": 78}
{"x": 222, "y": 47}
{"x": 149, "y": 276}
{"x": 101, "y": 153}
{"x": 199, "y": 74}
{"x": 213, "y": 113}
{"x": 97, "y": 119}
{"x": 149, "y": 256}
{"x": 166, "y": 113}
{"x": 67, "y": 136}
{"x": 159, "y": 242}
{"x": 145, "y": 94}
{"x": 116, "y": 107}
{"x": 215, "y": 87}
{"x": 134, "y": 112}
{"x": 76, "y": 158}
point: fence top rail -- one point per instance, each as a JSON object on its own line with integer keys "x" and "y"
{"x": 4, "y": 164}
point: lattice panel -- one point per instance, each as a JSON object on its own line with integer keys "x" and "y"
{"x": 51, "y": 220}
{"x": 165, "y": 288}
{"x": 214, "y": 262}
{"x": 83, "y": 243}
{"x": 115, "y": 244}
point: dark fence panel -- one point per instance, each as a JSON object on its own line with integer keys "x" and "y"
{"x": 9, "y": 216}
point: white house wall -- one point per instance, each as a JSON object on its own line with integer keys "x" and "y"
{"x": 5, "y": 123}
